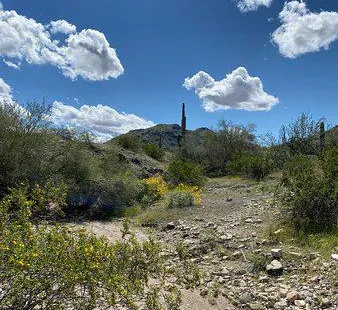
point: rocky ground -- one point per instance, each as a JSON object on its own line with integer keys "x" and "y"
{"x": 243, "y": 266}
{"x": 227, "y": 238}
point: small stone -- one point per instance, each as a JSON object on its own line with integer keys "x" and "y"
{"x": 255, "y": 306}
{"x": 275, "y": 268}
{"x": 283, "y": 292}
{"x": 334, "y": 256}
{"x": 280, "y": 305}
{"x": 224, "y": 272}
{"x": 296, "y": 254}
{"x": 245, "y": 298}
{"x": 236, "y": 254}
{"x": 326, "y": 303}
{"x": 276, "y": 253}
{"x": 263, "y": 279}
{"x": 291, "y": 297}
{"x": 278, "y": 232}
{"x": 170, "y": 225}
{"x": 229, "y": 199}
{"x": 226, "y": 237}
{"x": 300, "y": 303}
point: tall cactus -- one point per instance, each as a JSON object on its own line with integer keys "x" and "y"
{"x": 181, "y": 136}
{"x": 183, "y": 121}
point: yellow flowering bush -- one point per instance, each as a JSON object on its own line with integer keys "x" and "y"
{"x": 157, "y": 188}
{"x": 53, "y": 267}
{"x": 194, "y": 190}
{"x": 184, "y": 196}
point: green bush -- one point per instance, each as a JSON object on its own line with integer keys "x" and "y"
{"x": 186, "y": 172}
{"x": 214, "y": 149}
{"x": 129, "y": 142}
{"x": 303, "y": 135}
{"x": 53, "y": 267}
{"x": 153, "y": 150}
{"x": 179, "y": 199}
{"x": 255, "y": 166}
{"x": 23, "y": 144}
{"x": 309, "y": 197}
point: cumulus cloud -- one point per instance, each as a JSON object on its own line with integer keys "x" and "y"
{"x": 87, "y": 50}
{"x": 5, "y": 92}
{"x": 86, "y": 54}
{"x": 252, "y": 5}
{"x": 61, "y": 26}
{"x": 238, "y": 90}
{"x": 303, "y": 31}
{"x": 103, "y": 121}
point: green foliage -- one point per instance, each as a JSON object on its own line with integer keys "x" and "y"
{"x": 216, "y": 149}
{"x": 22, "y": 144}
{"x": 304, "y": 135}
{"x": 153, "y": 150}
{"x": 186, "y": 172}
{"x": 55, "y": 268}
{"x": 180, "y": 199}
{"x": 96, "y": 179}
{"x": 310, "y": 196}
{"x": 251, "y": 166}
{"x": 129, "y": 142}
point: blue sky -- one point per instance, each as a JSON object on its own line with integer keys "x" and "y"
{"x": 159, "y": 44}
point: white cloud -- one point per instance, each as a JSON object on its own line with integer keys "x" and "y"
{"x": 5, "y": 92}
{"x": 252, "y": 5}
{"x": 12, "y": 64}
{"x": 303, "y": 31}
{"x": 90, "y": 50}
{"x": 61, "y": 26}
{"x": 87, "y": 54}
{"x": 238, "y": 90}
{"x": 103, "y": 121}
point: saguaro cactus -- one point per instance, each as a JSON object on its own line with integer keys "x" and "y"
{"x": 183, "y": 121}
{"x": 183, "y": 126}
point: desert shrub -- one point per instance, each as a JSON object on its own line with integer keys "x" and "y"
{"x": 57, "y": 268}
{"x": 251, "y": 166}
{"x": 129, "y": 142}
{"x": 23, "y": 144}
{"x": 309, "y": 197}
{"x": 214, "y": 149}
{"x": 153, "y": 150}
{"x": 186, "y": 172}
{"x": 329, "y": 162}
{"x": 194, "y": 190}
{"x": 304, "y": 135}
{"x": 105, "y": 198}
{"x": 180, "y": 199}
{"x": 156, "y": 187}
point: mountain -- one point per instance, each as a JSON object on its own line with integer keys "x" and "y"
{"x": 165, "y": 135}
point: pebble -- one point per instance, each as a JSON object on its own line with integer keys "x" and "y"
{"x": 276, "y": 253}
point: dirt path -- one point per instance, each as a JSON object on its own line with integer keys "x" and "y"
{"x": 226, "y": 239}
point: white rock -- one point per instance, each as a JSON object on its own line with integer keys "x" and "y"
{"x": 334, "y": 256}
{"x": 274, "y": 268}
